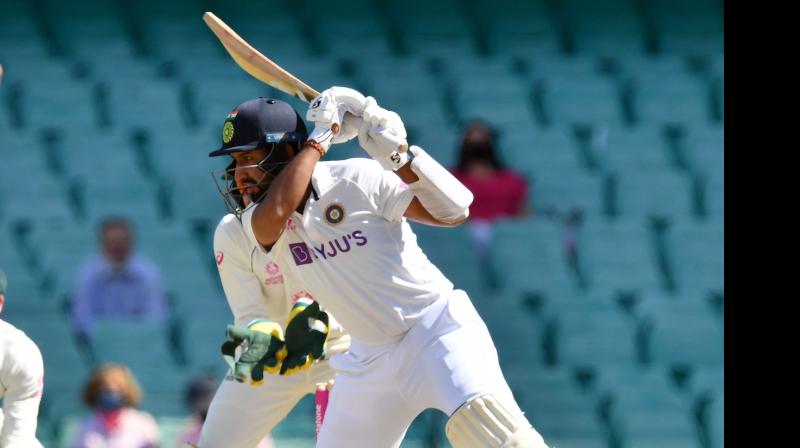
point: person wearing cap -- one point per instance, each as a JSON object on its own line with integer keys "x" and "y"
{"x": 21, "y": 383}
{"x": 339, "y": 231}
{"x": 260, "y": 136}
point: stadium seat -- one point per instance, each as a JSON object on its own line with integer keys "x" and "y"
{"x": 452, "y": 251}
{"x": 704, "y": 148}
{"x": 585, "y": 100}
{"x": 593, "y": 332}
{"x": 686, "y": 26}
{"x": 679, "y": 339}
{"x": 646, "y": 410}
{"x": 564, "y": 189}
{"x": 516, "y": 333}
{"x": 618, "y": 256}
{"x": 520, "y": 29}
{"x": 631, "y": 150}
{"x": 59, "y": 103}
{"x": 697, "y": 254}
{"x": 61, "y": 248}
{"x": 672, "y": 102}
{"x": 145, "y": 103}
{"x": 554, "y": 404}
{"x": 606, "y": 28}
{"x": 527, "y": 255}
{"x": 658, "y": 192}
{"x": 65, "y": 366}
{"x": 121, "y": 341}
{"x": 438, "y": 28}
{"x": 540, "y": 150}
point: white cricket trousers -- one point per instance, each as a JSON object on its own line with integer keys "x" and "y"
{"x": 447, "y": 358}
{"x": 241, "y": 414}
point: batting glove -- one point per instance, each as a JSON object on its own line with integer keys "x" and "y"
{"x": 328, "y": 110}
{"x": 387, "y": 142}
{"x": 306, "y": 333}
{"x": 263, "y": 352}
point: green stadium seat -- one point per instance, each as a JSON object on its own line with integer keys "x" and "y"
{"x": 24, "y": 287}
{"x": 527, "y": 255}
{"x": 110, "y": 67}
{"x": 581, "y": 100}
{"x": 518, "y": 29}
{"x": 517, "y": 335}
{"x": 16, "y": 198}
{"x": 593, "y": 333}
{"x": 618, "y": 256}
{"x": 564, "y": 189}
{"x": 647, "y": 410}
{"x": 672, "y": 102}
{"x": 546, "y": 66}
{"x": 357, "y": 23}
{"x": 214, "y": 97}
{"x": 680, "y": 339}
{"x": 716, "y": 422}
{"x": 185, "y": 270}
{"x": 631, "y": 150}
{"x": 62, "y": 246}
{"x": 554, "y": 404}
{"x": 452, "y": 251}
{"x": 688, "y": 27}
{"x": 657, "y": 69}
{"x": 59, "y": 103}
{"x": 439, "y": 28}
{"x": 704, "y": 148}
{"x": 145, "y": 103}
{"x": 605, "y": 28}
{"x": 179, "y": 36}
{"x": 657, "y": 192}
{"x": 540, "y": 150}
{"x": 65, "y": 366}
{"x": 161, "y": 379}
{"x": 698, "y": 254}
{"x": 203, "y": 328}
{"x": 441, "y": 144}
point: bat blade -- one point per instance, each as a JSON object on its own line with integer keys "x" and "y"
{"x": 255, "y": 63}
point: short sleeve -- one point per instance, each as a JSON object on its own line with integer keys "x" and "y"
{"x": 390, "y": 195}
{"x": 241, "y": 286}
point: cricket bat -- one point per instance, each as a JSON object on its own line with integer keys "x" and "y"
{"x": 255, "y": 63}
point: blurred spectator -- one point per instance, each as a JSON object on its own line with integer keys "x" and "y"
{"x": 117, "y": 283}
{"x": 198, "y": 398}
{"x": 499, "y": 191}
{"x": 113, "y": 394}
{"x": 21, "y": 381}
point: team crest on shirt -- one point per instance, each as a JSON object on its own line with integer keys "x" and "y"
{"x": 334, "y": 213}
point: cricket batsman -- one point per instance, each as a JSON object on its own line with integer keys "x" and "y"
{"x": 339, "y": 232}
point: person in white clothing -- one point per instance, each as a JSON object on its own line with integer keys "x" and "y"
{"x": 21, "y": 384}
{"x": 241, "y": 415}
{"x": 340, "y": 232}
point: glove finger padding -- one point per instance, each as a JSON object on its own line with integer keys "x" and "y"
{"x": 349, "y": 129}
{"x": 387, "y": 145}
{"x": 306, "y": 333}
{"x": 262, "y": 352}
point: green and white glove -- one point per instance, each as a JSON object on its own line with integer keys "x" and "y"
{"x": 263, "y": 352}
{"x": 306, "y": 333}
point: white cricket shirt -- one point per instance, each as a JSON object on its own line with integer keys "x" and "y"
{"x": 21, "y": 383}
{"x": 353, "y": 252}
{"x": 253, "y": 281}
